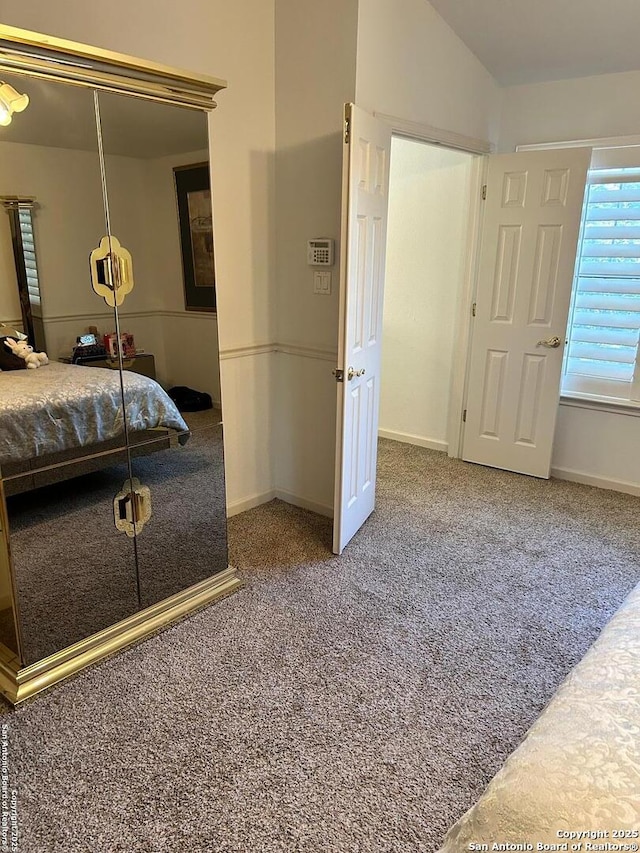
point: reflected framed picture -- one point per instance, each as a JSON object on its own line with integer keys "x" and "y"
{"x": 196, "y": 236}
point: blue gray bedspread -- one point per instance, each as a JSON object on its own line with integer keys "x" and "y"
{"x": 63, "y": 406}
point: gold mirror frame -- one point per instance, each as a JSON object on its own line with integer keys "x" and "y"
{"x": 37, "y": 55}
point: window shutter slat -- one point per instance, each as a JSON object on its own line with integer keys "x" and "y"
{"x": 622, "y": 268}
{"x": 611, "y": 248}
{"x": 603, "y": 352}
{"x": 600, "y": 369}
{"x": 610, "y": 232}
{"x": 614, "y": 193}
{"x": 603, "y": 301}
{"x": 604, "y": 335}
{"x": 604, "y": 330}
{"x": 588, "y": 284}
{"x": 611, "y": 319}
{"x": 603, "y": 213}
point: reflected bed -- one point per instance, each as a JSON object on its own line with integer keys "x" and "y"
{"x": 60, "y": 413}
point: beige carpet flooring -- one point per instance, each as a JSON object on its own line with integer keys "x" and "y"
{"x": 335, "y": 704}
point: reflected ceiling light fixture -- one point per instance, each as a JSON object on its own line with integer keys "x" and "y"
{"x": 11, "y": 102}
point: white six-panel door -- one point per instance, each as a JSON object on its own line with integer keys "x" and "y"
{"x": 527, "y": 258}
{"x": 365, "y": 197}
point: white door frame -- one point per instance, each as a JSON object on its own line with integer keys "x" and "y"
{"x": 462, "y": 321}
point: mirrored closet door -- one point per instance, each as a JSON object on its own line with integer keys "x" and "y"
{"x": 157, "y": 178}
{"x": 63, "y": 454}
{"x": 111, "y": 459}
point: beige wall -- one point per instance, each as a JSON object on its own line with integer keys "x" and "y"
{"x": 428, "y": 218}
{"x": 68, "y": 222}
{"x": 234, "y": 41}
{"x": 413, "y": 66}
{"x": 315, "y": 76}
{"x": 585, "y": 108}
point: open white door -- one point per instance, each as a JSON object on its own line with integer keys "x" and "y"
{"x": 527, "y": 259}
{"x": 365, "y": 197}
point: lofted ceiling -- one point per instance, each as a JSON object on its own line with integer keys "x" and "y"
{"x": 528, "y": 41}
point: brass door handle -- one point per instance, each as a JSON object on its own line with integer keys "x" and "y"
{"x": 132, "y": 507}
{"x": 111, "y": 271}
{"x": 351, "y": 373}
{"x": 550, "y": 343}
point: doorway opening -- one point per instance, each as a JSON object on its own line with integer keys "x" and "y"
{"x": 430, "y": 193}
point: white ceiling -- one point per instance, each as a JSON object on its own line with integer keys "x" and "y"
{"x": 527, "y": 41}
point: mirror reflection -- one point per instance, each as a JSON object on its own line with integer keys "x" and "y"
{"x": 62, "y": 447}
{"x": 111, "y": 453}
{"x": 156, "y": 161}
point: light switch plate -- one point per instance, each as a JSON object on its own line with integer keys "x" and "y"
{"x": 322, "y": 282}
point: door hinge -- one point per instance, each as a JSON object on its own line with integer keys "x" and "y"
{"x": 339, "y": 374}
{"x": 484, "y": 192}
{"x": 347, "y": 123}
{"x": 473, "y": 310}
{"x": 464, "y": 416}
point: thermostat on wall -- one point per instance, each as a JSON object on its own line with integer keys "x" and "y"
{"x": 320, "y": 252}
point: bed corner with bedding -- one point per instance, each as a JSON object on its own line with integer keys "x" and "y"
{"x": 61, "y": 407}
{"x": 578, "y": 769}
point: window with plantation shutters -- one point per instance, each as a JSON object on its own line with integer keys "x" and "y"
{"x": 20, "y": 212}
{"x": 602, "y": 354}
{"x": 29, "y": 255}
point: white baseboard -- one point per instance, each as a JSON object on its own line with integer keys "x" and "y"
{"x": 237, "y": 507}
{"x": 591, "y": 480}
{"x": 304, "y": 503}
{"x": 407, "y": 438}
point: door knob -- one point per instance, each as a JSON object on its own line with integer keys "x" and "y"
{"x": 111, "y": 271}
{"x": 351, "y": 373}
{"x": 550, "y": 343}
{"x": 132, "y": 507}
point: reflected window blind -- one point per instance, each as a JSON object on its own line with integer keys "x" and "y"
{"x": 605, "y": 324}
{"x": 29, "y": 254}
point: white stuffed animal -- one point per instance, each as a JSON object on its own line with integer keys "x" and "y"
{"x": 23, "y": 350}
